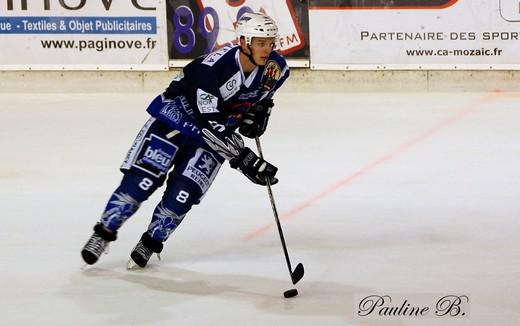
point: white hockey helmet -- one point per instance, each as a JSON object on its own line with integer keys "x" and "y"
{"x": 256, "y": 25}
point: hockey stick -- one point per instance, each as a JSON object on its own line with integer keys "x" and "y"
{"x": 297, "y": 274}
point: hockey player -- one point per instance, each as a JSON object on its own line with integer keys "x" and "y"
{"x": 192, "y": 131}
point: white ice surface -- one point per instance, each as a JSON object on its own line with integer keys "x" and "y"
{"x": 418, "y": 197}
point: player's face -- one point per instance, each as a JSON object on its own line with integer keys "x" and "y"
{"x": 262, "y": 48}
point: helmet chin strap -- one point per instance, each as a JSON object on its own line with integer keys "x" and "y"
{"x": 249, "y": 55}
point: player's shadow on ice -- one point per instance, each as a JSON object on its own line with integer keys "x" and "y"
{"x": 160, "y": 291}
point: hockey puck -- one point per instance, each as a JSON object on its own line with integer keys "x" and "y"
{"x": 290, "y": 293}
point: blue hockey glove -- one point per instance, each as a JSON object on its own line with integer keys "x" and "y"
{"x": 256, "y": 118}
{"x": 253, "y": 167}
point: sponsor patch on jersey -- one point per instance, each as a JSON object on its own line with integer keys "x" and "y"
{"x": 206, "y": 102}
{"x": 134, "y": 150}
{"x": 213, "y": 57}
{"x": 247, "y": 96}
{"x": 272, "y": 74}
{"x": 155, "y": 156}
{"x": 202, "y": 169}
{"x": 231, "y": 87}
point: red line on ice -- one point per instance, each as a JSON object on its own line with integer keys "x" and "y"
{"x": 469, "y": 109}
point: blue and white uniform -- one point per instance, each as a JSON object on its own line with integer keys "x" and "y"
{"x": 188, "y": 136}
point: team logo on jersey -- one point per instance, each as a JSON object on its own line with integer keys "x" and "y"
{"x": 206, "y": 102}
{"x": 156, "y": 156}
{"x": 172, "y": 112}
{"x": 202, "y": 169}
{"x": 272, "y": 73}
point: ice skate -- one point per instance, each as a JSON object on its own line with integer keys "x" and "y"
{"x": 97, "y": 244}
{"x": 143, "y": 251}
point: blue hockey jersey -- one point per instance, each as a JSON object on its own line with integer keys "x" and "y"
{"x": 214, "y": 92}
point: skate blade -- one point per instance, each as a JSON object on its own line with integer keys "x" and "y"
{"x": 132, "y": 265}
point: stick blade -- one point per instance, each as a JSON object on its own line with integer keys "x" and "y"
{"x": 297, "y": 274}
